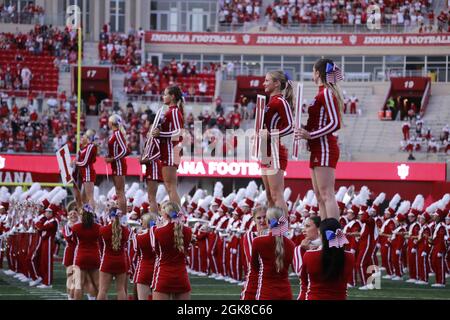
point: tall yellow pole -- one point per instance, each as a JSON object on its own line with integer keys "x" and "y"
{"x": 80, "y": 57}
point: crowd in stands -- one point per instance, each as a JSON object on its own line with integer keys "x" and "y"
{"x": 120, "y": 48}
{"x": 29, "y": 14}
{"x": 402, "y": 108}
{"x": 413, "y": 13}
{"x": 24, "y": 129}
{"x": 238, "y": 12}
{"x": 421, "y": 139}
{"x": 150, "y": 79}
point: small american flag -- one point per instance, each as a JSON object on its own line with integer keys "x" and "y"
{"x": 280, "y": 227}
{"x": 337, "y": 240}
{"x": 334, "y": 74}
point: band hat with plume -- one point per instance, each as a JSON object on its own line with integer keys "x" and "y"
{"x": 417, "y": 206}
{"x": 393, "y": 204}
{"x": 226, "y": 203}
{"x": 340, "y": 196}
{"x": 199, "y": 193}
{"x": 377, "y": 202}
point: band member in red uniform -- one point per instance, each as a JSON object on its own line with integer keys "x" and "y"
{"x": 170, "y": 277}
{"x": 423, "y": 249}
{"x": 439, "y": 250}
{"x": 326, "y": 271}
{"x": 48, "y": 229}
{"x": 118, "y": 151}
{"x": 270, "y": 260}
{"x": 87, "y": 253}
{"x": 153, "y": 171}
{"x": 170, "y": 138}
{"x": 69, "y": 252}
{"x": 413, "y": 232}
{"x": 114, "y": 261}
{"x": 278, "y": 122}
{"x": 324, "y": 119}
{"x": 366, "y": 247}
{"x": 146, "y": 257}
{"x": 85, "y": 166}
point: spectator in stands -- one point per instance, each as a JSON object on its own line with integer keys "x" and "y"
{"x": 230, "y": 70}
{"x": 26, "y": 76}
{"x": 92, "y": 104}
{"x": 405, "y": 129}
{"x": 353, "y": 101}
{"x": 202, "y": 88}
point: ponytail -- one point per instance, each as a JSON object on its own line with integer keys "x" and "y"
{"x": 178, "y": 238}
{"x": 333, "y": 259}
{"x": 285, "y": 86}
{"x": 116, "y": 234}
{"x": 87, "y": 217}
{"x": 116, "y": 120}
{"x": 178, "y": 95}
{"x": 279, "y": 253}
{"x": 321, "y": 67}
{"x": 274, "y": 214}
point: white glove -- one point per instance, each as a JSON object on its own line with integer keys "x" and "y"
{"x": 439, "y": 255}
{"x": 398, "y": 252}
{"x": 424, "y": 254}
{"x": 413, "y": 250}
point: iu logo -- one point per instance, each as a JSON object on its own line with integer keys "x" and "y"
{"x": 403, "y": 171}
{"x": 2, "y": 162}
{"x": 246, "y": 38}
{"x": 353, "y": 39}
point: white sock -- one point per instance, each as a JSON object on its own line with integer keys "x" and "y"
{"x": 91, "y": 297}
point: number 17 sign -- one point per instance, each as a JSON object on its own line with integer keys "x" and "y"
{"x": 63, "y": 156}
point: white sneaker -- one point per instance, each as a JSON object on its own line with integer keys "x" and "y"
{"x": 387, "y": 277}
{"x": 35, "y": 282}
{"x": 382, "y": 269}
{"x": 233, "y": 281}
{"x": 43, "y": 286}
{"x": 421, "y": 282}
{"x": 25, "y": 280}
{"x": 202, "y": 274}
{"x": 220, "y": 277}
{"x": 438, "y": 285}
{"x": 292, "y": 274}
{"x": 19, "y": 275}
{"x": 241, "y": 283}
{"x": 212, "y": 276}
{"x": 195, "y": 273}
{"x": 349, "y": 286}
{"x": 431, "y": 274}
{"x": 411, "y": 281}
{"x": 397, "y": 278}
{"x": 8, "y": 272}
{"x": 364, "y": 288}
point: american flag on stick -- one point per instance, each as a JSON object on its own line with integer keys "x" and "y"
{"x": 280, "y": 227}
{"x": 259, "y": 122}
{"x": 298, "y": 120}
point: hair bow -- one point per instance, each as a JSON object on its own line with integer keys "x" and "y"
{"x": 151, "y": 224}
{"x": 87, "y": 207}
{"x": 175, "y": 216}
{"x": 336, "y": 239}
{"x": 288, "y": 78}
{"x": 114, "y": 213}
{"x": 334, "y": 74}
{"x": 279, "y": 226}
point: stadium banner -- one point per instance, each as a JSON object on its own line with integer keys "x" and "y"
{"x": 340, "y": 40}
{"x": 47, "y": 166}
{"x": 63, "y": 157}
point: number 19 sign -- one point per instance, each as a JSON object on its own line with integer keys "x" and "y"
{"x": 63, "y": 156}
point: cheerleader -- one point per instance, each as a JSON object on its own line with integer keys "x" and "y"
{"x": 87, "y": 253}
{"x": 85, "y": 168}
{"x": 270, "y": 260}
{"x": 146, "y": 257}
{"x": 325, "y": 272}
{"x": 172, "y": 240}
{"x": 170, "y": 139}
{"x": 324, "y": 119}
{"x": 69, "y": 251}
{"x": 278, "y": 123}
{"x": 114, "y": 261}
{"x": 118, "y": 151}
{"x": 153, "y": 172}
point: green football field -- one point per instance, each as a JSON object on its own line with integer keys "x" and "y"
{"x": 205, "y": 288}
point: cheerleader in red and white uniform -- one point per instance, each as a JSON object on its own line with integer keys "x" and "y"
{"x": 312, "y": 241}
{"x": 259, "y": 218}
{"x": 326, "y": 271}
{"x": 270, "y": 260}
{"x": 85, "y": 167}
{"x": 170, "y": 138}
{"x": 114, "y": 261}
{"x": 153, "y": 171}
{"x": 324, "y": 120}
{"x": 172, "y": 240}
{"x": 69, "y": 252}
{"x": 87, "y": 253}
{"x": 146, "y": 257}
{"x": 118, "y": 151}
{"x": 278, "y": 122}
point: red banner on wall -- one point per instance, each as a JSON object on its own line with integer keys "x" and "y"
{"x": 253, "y": 39}
{"x": 46, "y": 166}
